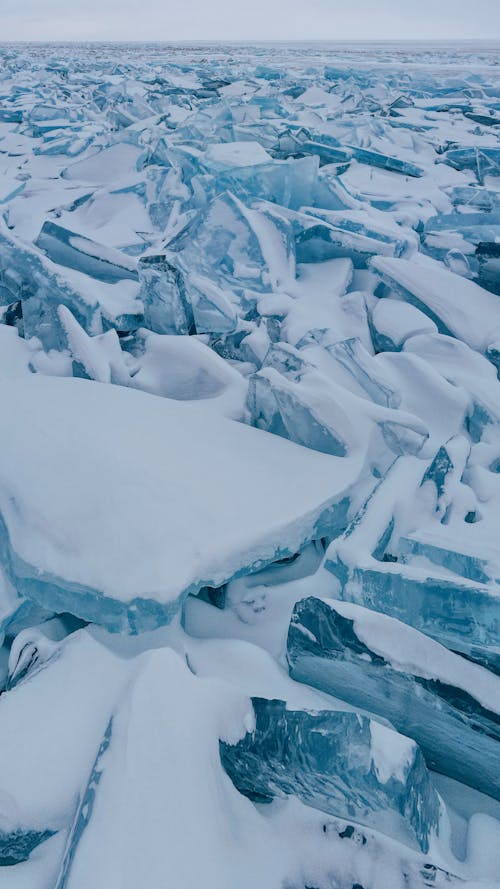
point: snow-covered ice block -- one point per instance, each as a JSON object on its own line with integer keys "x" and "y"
{"x": 461, "y": 615}
{"x": 448, "y": 705}
{"x": 105, "y": 166}
{"x": 341, "y": 763}
{"x": 307, "y": 407}
{"x": 43, "y": 285}
{"x": 70, "y": 701}
{"x": 181, "y": 508}
{"x": 459, "y": 307}
{"x": 235, "y": 154}
{"x": 184, "y": 368}
{"x": 157, "y": 777}
{"x": 394, "y": 321}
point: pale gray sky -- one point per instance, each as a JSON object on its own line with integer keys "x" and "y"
{"x": 248, "y": 19}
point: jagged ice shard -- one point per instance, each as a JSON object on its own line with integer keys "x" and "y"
{"x": 249, "y": 466}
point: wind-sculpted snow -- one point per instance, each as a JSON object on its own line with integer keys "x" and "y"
{"x": 250, "y": 404}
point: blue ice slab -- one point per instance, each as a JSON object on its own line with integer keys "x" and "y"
{"x": 84, "y": 810}
{"x": 21, "y": 614}
{"x": 331, "y": 151}
{"x": 286, "y": 413}
{"x": 328, "y": 759}
{"x": 482, "y": 161}
{"x": 488, "y": 256}
{"x": 29, "y": 276}
{"x": 166, "y": 305}
{"x": 387, "y": 162}
{"x": 75, "y": 251}
{"x": 393, "y": 242}
{"x": 461, "y": 615}
{"x": 17, "y": 845}
{"x": 464, "y": 221}
{"x": 290, "y": 397}
{"x": 471, "y": 196}
{"x": 459, "y": 734}
{"x": 70, "y": 146}
{"x": 353, "y": 356}
{"x": 212, "y": 303}
{"x": 237, "y": 247}
{"x": 290, "y": 183}
{"x": 322, "y": 235}
{"x": 464, "y": 564}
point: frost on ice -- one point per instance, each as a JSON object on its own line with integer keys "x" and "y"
{"x": 249, "y": 467}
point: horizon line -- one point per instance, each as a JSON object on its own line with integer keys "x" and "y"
{"x": 238, "y": 40}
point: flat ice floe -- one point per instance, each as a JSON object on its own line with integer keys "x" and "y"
{"x": 157, "y": 499}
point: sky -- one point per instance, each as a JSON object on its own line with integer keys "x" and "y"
{"x": 249, "y": 19}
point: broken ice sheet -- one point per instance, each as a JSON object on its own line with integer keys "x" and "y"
{"x": 432, "y": 592}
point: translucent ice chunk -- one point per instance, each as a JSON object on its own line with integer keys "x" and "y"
{"x": 352, "y": 355}
{"x": 449, "y": 706}
{"x": 290, "y": 183}
{"x": 314, "y": 410}
{"x": 488, "y": 255}
{"x": 77, "y": 252}
{"x": 281, "y": 410}
{"x": 338, "y": 762}
{"x": 95, "y": 358}
{"x": 331, "y": 152}
{"x": 318, "y": 239}
{"x": 440, "y": 606}
{"x": 233, "y": 243}
{"x": 482, "y": 161}
{"x": 166, "y": 306}
{"x": 42, "y": 286}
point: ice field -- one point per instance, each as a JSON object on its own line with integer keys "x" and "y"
{"x": 250, "y": 466}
